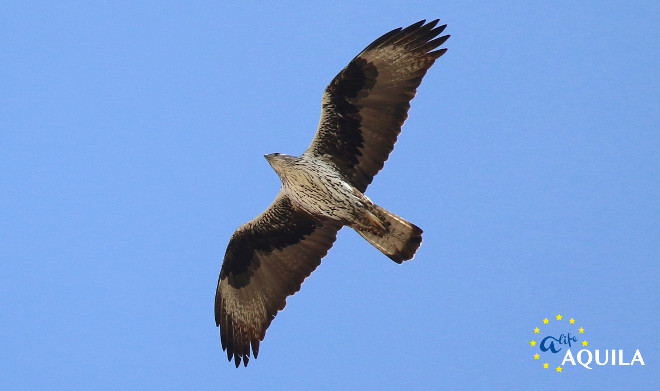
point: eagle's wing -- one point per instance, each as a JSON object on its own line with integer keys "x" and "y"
{"x": 266, "y": 260}
{"x": 367, "y": 102}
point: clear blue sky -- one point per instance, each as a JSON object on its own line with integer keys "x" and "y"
{"x": 132, "y": 137}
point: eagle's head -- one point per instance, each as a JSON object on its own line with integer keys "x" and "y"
{"x": 281, "y": 163}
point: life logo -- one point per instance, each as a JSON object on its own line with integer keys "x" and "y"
{"x": 561, "y": 342}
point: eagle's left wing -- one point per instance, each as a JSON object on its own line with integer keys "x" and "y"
{"x": 367, "y": 102}
{"x": 266, "y": 260}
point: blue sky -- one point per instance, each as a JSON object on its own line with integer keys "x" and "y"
{"x": 132, "y": 137}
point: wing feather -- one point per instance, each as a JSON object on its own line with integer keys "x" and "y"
{"x": 365, "y": 105}
{"x": 266, "y": 261}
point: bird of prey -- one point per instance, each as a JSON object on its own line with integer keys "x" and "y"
{"x": 363, "y": 109}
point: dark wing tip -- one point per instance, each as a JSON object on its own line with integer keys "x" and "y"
{"x": 438, "y": 53}
{"x": 414, "y": 31}
{"x": 419, "y": 24}
{"x": 255, "y": 347}
{"x": 430, "y": 45}
{"x": 238, "y": 355}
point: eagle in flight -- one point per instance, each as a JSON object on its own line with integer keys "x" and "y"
{"x": 322, "y": 190}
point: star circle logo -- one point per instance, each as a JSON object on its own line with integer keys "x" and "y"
{"x": 552, "y": 338}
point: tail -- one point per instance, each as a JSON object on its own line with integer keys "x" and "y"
{"x": 393, "y": 236}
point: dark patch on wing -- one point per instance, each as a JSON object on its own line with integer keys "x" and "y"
{"x": 345, "y": 139}
{"x": 280, "y": 226}
{"x": 366, "y": 104}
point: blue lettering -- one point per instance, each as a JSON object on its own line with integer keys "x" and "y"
{"x": 562, "y": 340}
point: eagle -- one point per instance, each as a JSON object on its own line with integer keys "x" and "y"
{"x": 363, "y": 109}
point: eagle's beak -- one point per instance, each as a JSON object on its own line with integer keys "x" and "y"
{"x": 270, "y": 157}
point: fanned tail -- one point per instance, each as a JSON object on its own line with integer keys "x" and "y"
{"x": 399, "y": 239}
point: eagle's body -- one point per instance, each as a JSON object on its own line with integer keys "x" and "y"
{"x": 316, "y": 187}
{"x": 323, "y": 189}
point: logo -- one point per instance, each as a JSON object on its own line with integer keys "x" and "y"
{"x": 563, "y": 343}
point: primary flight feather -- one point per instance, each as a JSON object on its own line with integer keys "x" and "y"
{"x": 363, "y": 109}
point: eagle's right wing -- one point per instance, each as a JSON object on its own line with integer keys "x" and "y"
{"x": 266, "y": 260}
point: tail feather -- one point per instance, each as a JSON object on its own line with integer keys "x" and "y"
{"x": 400, "y": 239}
